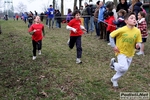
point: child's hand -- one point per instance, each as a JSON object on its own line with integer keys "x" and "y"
{"x": 74, "y": 30}
{"x": 137, "y": 46}
{"x": 116, "y": 50}
{"x": 34, "y": 30}
{"x": 84, "y": 29}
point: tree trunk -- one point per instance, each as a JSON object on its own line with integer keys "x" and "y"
{"x": 62, "y": 7}
{"x": 75, "y": 4}
{"x": 54, "y": 4}
{"x": 80, "y": 3}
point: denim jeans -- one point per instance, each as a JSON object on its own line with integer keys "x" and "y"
{"x": 91, "y": 24}
{"x": 86, "y": 23}
{"x": 50, "y": 22}
{"x": 97, "y": 28}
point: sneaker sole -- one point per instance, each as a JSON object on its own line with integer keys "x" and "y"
{"x": 113, "y": 85}
{"x": 78, "y": 62}
{"x": 111, "y": 66}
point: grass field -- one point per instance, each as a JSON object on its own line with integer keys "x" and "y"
{"x": 54, "y": 75}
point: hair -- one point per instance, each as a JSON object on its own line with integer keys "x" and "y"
{"x": 123, "y": 12}
{"x": 69, "y": 11}
{"x": 97, "y": 2}
{"x": 128, "y": 15}
{"x": 109, "y": 5}
{"x": 76, "y": 12}
{"x": 142, "y": 14}
{"x": 110, "y": 13}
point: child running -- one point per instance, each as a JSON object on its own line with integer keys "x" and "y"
{"x": 76, "y": 32}
{"x": 142, "y": 25}
{"x": 127, "y": 38}
{"x": 37, "y": 32}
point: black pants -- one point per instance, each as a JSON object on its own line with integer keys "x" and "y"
{"x": 77, "y": 40}
{"x": 108, "y": 33}
{"x": 36, "y": 45}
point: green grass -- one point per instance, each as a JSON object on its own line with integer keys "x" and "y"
{"x": 54, "y": 75}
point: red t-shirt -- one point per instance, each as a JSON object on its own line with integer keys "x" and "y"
{"x": 75, "y": 24}
{"x": 38, "y": 34}
{"x": 111, "y": 26}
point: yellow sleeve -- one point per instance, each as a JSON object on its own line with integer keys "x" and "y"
{"x": 115, "y": 33}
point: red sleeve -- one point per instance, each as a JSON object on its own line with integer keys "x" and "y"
{"x": 31, "y": 28}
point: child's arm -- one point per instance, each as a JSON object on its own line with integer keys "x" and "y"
{"x": 43, "y": 31}
{"x": 32, "y": 32}
{"x": 113, "y": 45}
{"x": 71, "y": 28}
{"x": 82, "y": 27}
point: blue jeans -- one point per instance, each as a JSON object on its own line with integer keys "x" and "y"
{"x": 91, "y": 24}
{"x": 50, "y": 20}
{"x": 97, "y": 28}
{"x": 86, "y": 23}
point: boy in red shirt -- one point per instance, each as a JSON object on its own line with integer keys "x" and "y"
{"x": 37, "y": 32}
{"x": 76, "y": 31}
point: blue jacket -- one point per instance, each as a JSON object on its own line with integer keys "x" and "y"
{"x": 101, "y": 14}
{"x": 50, "y": 12}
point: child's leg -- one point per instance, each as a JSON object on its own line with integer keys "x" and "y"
{"x": 39, "y": 45}
{"x": 122, "y": 66}
{"x": 79, "y": 48}
{"x": 34, "y": 43}
{"x": 72, "y": 41}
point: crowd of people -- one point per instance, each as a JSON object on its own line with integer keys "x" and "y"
{"x": 124, "y": 28}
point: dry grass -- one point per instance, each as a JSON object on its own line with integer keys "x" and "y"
{"x": 55, "y": 76}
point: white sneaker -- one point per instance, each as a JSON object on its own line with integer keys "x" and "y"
{"x": 108, "y": 44}
{"x": 140, "y": 53}
{"x": 78, "y": 61}
{"x": 115, "y": 83}
{"x": 34, "y": 57}
{"x": 68, "y": 41}
{"x": 112, "y": 61}
{"x": 39, "y": 52}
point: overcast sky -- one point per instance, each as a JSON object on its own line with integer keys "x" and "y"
{"x": 37, "y": 5}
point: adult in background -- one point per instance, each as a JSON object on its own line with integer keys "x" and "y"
{"x": 30, "y": 20}
{"x": 122, "y": 5}
{"x": 36, "y": 13}
{"x": 92, "y": 8}
{"x": 42, "y": 16}
{"x": 58, "y": 19}
{"x": 97, "y": 28}
{"x": 86, "y": 14}
{"x": 136, "y": 7}
{"x": 101, "y": 19}
{"x": 50, "y": 13}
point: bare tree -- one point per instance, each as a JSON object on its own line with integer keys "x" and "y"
{"x": 45, "y": 6}
{"x": 62, "y": 6}
{"x": 54, "y": 2}
{"x": 80, "y": 3}
{"x": 75, "y": 4}
{"x": 21, "y": 7}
